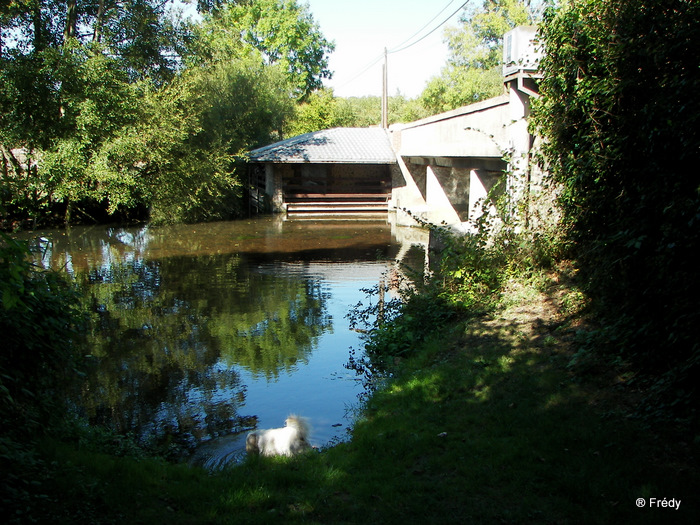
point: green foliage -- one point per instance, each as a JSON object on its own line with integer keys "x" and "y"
{"x": 473, "y": 69}
{"x": 66, "y": 92}
{"x": 364, "y": 111}
{"x": 282, "y": 31}
{"x": 404, "y": 110}
{"x": 95, "y": 117}
{"x": 322, "y": 110}
{"x": 62, "y": 135}
{"x": 469, "y": 277}
{"x": 459, "y": 86}
{"x": 395, "y": 328}
{"x": 40, "y": 323}
{"x": 464, "y": 283}
{"x": 622, "y": 144}
{"x": 478, "y": 414}
{"x": 194, "y": 134}
{"x": 29, "y": 100}
{"x": 479, "y": 43}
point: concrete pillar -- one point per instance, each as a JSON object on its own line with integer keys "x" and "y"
{"x": 438, "y": 202}
{"x": 273, "y": 187}
{"x": 519, "y": 148}
{"x": 405, "y": 194}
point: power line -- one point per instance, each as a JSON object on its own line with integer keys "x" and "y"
{"x": 426, "y": 25}
{"x": 363, "y": 70}
{"x": 432, "y": 30}
{"x": 381, "y": 56}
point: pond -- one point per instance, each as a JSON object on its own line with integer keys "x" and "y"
{"x": 202, "y": 332}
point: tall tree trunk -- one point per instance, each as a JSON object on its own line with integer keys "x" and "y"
{"x": 69, "y": 211}
{"x": 38, "y": 23}
{"x": 97, "y": 34}
{"x": 71, "y": 20}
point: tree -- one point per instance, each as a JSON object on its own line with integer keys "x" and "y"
{"x": 135, "y": 32}
{"x": 233, "y": 107}
{"x": 622, "y": 145}
{"x": 97, "y": 102}
{"x": 364, "y": 111}
{"x": 473, "y": 69}
{"x": 181, "y": 157}
{"x": 99, "y": 110}
{"x": 66, "y": 70}
{"x": 322, "y": 110}
{"x": 282, "y": 31}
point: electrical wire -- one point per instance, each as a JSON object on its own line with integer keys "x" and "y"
{"x": 432, "y": 30}
{"x": 395, "y": 50}
{"x": 374, "y": 62}
{"x": 426, "y": 25}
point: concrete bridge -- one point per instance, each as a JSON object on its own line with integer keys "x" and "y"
{"x": 438, "y": 169}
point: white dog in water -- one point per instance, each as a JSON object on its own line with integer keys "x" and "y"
{"x": 285, "y": 441}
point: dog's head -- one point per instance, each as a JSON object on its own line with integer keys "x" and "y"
{"x": 300, "y": 424}
{"x": 251, "y": 443}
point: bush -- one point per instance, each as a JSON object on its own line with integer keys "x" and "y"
{"x": 622, "y": 145}
{"x": 39, "y": 320}
{"x": 467, "y": 279}
{"x": 39, "y": 323}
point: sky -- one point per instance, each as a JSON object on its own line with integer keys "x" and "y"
{"x": 362, "y": 29}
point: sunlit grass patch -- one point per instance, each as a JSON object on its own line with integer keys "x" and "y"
{"x": 482, "y": 423}
{"x": 250, "y": 497}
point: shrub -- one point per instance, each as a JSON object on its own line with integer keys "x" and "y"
{"x": 622, "y": 145}
{"x": 39, "y": 322}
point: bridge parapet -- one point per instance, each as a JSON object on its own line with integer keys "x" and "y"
{"x": 477, "y": 130}
{"x": 449, "y": 164}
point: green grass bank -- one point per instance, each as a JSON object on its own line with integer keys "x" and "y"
{"x": 486, "y": 423}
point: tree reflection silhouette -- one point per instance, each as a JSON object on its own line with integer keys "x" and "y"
{"x": 168, "y": 335}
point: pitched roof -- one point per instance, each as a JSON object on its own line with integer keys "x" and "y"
{"x": 338, "y": 145}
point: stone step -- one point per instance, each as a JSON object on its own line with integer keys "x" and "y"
{"x": 336, "y": 207}
{"x": 336, "y": 197}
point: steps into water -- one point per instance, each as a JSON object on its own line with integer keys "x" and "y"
{"x": 337, "y": 203}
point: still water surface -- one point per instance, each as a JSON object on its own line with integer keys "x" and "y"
{"x": 202, "y": 332}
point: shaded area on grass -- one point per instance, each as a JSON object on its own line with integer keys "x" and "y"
{"x": 499, "y": 431}
{"x": 484, "y": 424}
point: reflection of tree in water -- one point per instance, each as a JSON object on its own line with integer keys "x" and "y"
{"x": 278, "y": 334}
{"x": 166, "y": 334}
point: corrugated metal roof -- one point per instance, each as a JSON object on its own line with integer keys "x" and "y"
{"x": 338, "y": 145}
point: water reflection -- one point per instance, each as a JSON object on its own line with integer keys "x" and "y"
{"x": 202, "y": 331}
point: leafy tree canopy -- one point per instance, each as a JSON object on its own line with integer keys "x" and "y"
{"x": 282, "y": 31}
{"x": 472, "y": 72}
{"x": 119, "y": 105}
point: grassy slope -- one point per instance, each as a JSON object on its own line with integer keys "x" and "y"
{"x": 484, "y": 425}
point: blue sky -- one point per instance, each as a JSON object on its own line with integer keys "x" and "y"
{"x": 362, "y": 29}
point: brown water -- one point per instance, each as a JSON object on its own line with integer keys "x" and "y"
{"x": 202, "y": 332}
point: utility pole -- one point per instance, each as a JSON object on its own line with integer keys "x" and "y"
{"x": 385, "y": 96}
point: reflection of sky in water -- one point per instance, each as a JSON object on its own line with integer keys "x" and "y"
{"x": 183, "y": 310}
{"x": 321, "y": 389}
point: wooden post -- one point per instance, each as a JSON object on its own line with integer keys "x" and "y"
{"x": 385, "y": 97}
